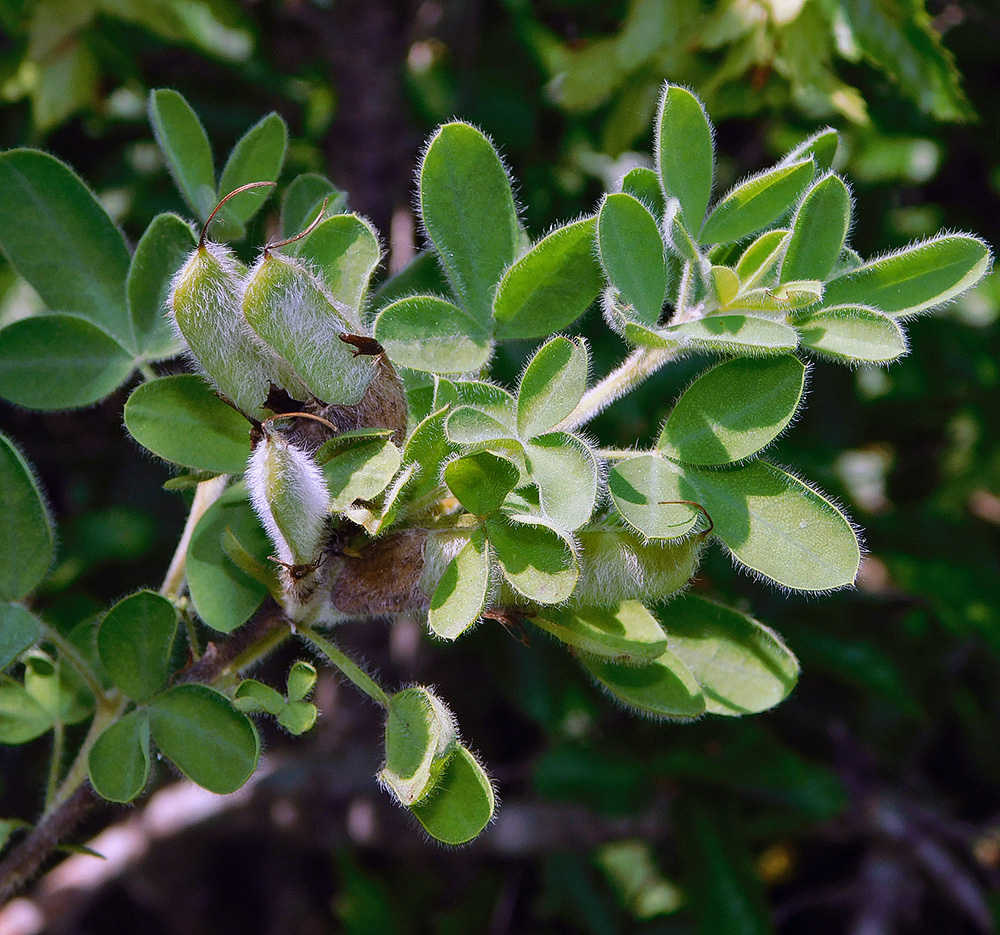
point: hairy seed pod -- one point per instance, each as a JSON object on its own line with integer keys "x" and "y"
{"x": 289, "y": 493}
{"x": 288, "y": 308}
{"x": 205, "y": 307}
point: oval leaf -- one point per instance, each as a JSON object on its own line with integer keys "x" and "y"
{"x": 551, "y": 386}
{"x": 134, "y": 642}
{"x": 778, "y": 526}
{"x": 257, "y": 157}
{"x": 853, "y": 333}
{"x": 631, "y": 251}
{"x": 626, "y": 633}
{"x": 460, "y": 595}
{"x": 742, "y": 666}
{"x": 819, "y": 229}
{"x": 748, "y": 334}
{"x": 462, "y": 802}
{"x": 481, "y": 481}
{"x": 468, "y": 211}
{"x": 734, "y": 410}
{"x": 760, "y": 258}
{"x": 223, "y": 595}
{"x": 180, "y": 419}
{"x": 684, "y": 154}
{"x": 344, "y": 251}
{"x": 119, "y": 761}
{"x": 646, "y": 492}
{"x": 185, "y": 147}
{"x": 535, "y": 558}
{"x": 430, "y": 334}
{"x": 25, "y": 527}
{"x": 757, "y": 202}
{"x": 60, "y": 239}
{"x": 914, "y": 278}
{"x": 551, "y": 286}
{"x": 205, "y": 736}
{"x": 565, "y": 471}
{"x": 160, "y": 252}
{"x": 663, "y": 688}
{"x": 59, "y": 362}
{"x": 420, "y": 734}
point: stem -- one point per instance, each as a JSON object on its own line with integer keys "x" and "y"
{"x": 636, "y": 368}
{"x": 72, "y": 655}
{"x": 617, "y": 454}
{"x": 205, "y": 494}
{"x": 680, "y": 307}
{"x": 346, "y": 665}
{"x": 192, "y": 636}
{"x": 55, "y": 763}
{"x": 148, "y": 373}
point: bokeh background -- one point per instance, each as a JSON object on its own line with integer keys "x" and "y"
{"x": 868, "y": 803}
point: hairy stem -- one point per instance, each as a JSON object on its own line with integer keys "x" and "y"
{"x": 346, "y": 665}
{"x": 70, "y": 654}
{"x": 55, "y": 762}
{"x": 637, "y": 367}
{"x": 206, "y": 493}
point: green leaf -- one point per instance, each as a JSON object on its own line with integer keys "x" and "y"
{"x": 734, "y": 410}
{"x": 462, "y": 802}
{"x": 481, "y": 481}
{"x": 19, "y": 629}
{"x": 297, "y": 717}
{"x": 460, "y": 595}
{"x": 185, "y": 147}
{"x": 344, "y": 251}
{"x": 205, "y": 736}
{"x": 853, "y": 333}
{"x": 60, "y": 239}
{"x": 757, "y": 202}
{"x": 776, "y": 525}
{"x": 252, "y": 695}
{"x": 468, "y": 211}
{"x": 359, "y": 472}
{"x": 725, "y": 892}
{"x": 565, "y": 471}
{"x": 684, "y": 155}
{"x": 626, "y": 633}
{"x": 663, "y": 688}
{"x": 25, "y": 527}
{"x": 302, "y": 201}
{"x": 134, "y": 642}
{"x": 288, "y": 309}
{"x": 430, "y": 334}
{"x": 618, "y": 564}
{"x": 748, "y": 334}
{"x": 535, "y": 558}
{"x": 646, "y": 492}
{"x": 59, "y": 362}
{"x": 420, "y": 736}
{"x": 427, "y": 447}
{"x": 119, "y": 761}
{"x": 57, "y": 689}
{"x": 257, "y": 157}
{"x": 742, "y": 666}
{"x": 644, "y": 184}
{"x": 914, "y": 278}
{"x": 760, "y": 257}
{"x": 631, "y": 252}
{"x": 821, "y": 147}
{"x": 160, "y": 253}
{"x": 551, "y": 286}
{"x": 301, "y": 679}
{"x": 223, "y": 595}
{"x": 468, "y": 425}
{"x": 819, "y": 230}
{"x": 180, "y": 419}
{"x": 22, "y": 717}
{"x": 725, "y": 284}
{"x": 551, "y": 385}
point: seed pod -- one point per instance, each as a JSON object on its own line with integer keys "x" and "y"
{"x": 616, "y": 565}
{"x": 289, "y": 493}
{"x": 205, "y": 305}
{"x": 289, "y": 309}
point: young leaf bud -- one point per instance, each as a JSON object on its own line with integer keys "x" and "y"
{"x": 205, "y": 307}
{"x": 420, "y": 736}
{"x": 289, "y": 309}
{"x": 289, "y": 493}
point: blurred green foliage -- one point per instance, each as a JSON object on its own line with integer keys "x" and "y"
{"x": 888, "y": 746}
